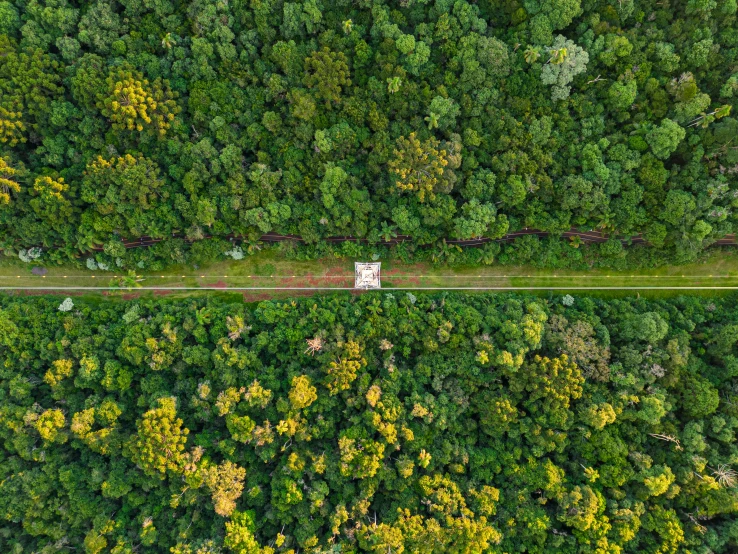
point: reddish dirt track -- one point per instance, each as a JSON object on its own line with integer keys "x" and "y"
{"x": 218, "y": 285}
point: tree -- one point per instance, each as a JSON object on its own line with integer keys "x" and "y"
{"x": 302, "y": 106}
{"x": 302, "y": 393}
{"x": 532, "y": 54}
{"x": 420, "y": 166}
{"x": 341, "y": 372}
{"x": 127, "y": 190}
{"x": 100, "y": 28}
{"x": 60, "y": 369}
{"x": 560, "y": 73}
{"x": 579, "y": 341}
{"x": 514, "y": 193}
{"x": 598, "y": 415}
{"x": 665, "y": 138}
{"x": 158, "y": 446}
{"x": 442, "y": 113}
{"x": 558, "y": 14}
{"x": 393, "y": 84}
{"x": 11, "y": 123}
{"x": 677, "y": 206}
{"x": 700, "y": 398}
{"x": 498, "y": 415}
{"x": 494, "y": 55}
{"x": 48, "y": 425}
{"x": 239, "y": 536}
{"x": 301, "y": 18}
{"x": 705, "y": 119}
{"x": 8, "y": 181}
{"x": 666, "y": 525}
{"x": 225, "y": 482}
{"x": 9, "y": 18}
{"x": 579, "y": 508}
{"x": 332, "y": 185}
{"x": 131, "y": 103}
{"x": 52, "y": 200}
{"x": 327, "y": 72}
{"x": 29, "y": 80}
{"x": 622, "y": 94}
{"x": 476, "y": 220}
{"x": 648, "y": 327}
{"x": 555, "y": 382}
{"x": 582, "y": 195}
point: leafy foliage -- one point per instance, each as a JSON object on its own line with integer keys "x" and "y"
{"x": 130, "y": 103}
{"x": 444, "y": 119}
{"x": 410, "y": 423}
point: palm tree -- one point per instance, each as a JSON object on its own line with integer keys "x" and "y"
{"x": 388, "y": 232}
{"x": 531, "y": 54}
{"x": 203, "y": 315}
{"x": 129, "y": 281}
{"x": 606, "y": 222}
{"x": 253, "y": 246}
{"x": 558, "y": 55}
{"x": 167, "y": 42}
{"x": 393, "y": 84}
{"x": 445, "y": 252}
{"x": 375, "y": 307}
{"x": 432, "y": 120}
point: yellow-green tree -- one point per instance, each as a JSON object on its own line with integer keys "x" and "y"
{"x": 11, "y": 124}
{"x": 51, "y": 200}
{"x": 342, "y": 371}
{"x": 239, "y": 534}
{"x": 29, "y": 81}
{"x": 225, "y": 482}
{"x": 159, "y": 444}
{"x": 579, "y": 507}
{"x": 132, "y": 103}
{"x": 327, "y": 72}
{"x": 419, "y": 166}
{"x": 8, "y": 181}
{"x": 49, "y": 423}
{"x": 548, "y": 386}
{"x": 59, "y": 370}
{"x": 302, "y": 393}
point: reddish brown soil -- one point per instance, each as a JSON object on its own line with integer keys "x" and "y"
{"x": 219, "y": 285}
{"x": 46, "y": 292}
{"x": 266, "y": 295}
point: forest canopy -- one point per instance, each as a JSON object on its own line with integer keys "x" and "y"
{"x": 387, "y": 422}
{"x": 435, "y": 119}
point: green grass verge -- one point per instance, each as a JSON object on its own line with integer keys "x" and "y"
{"x": 269, "y": 269}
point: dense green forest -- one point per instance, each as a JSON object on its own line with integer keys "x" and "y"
{"x": 374, "y": 423}
{"x": 436, "y": 119}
